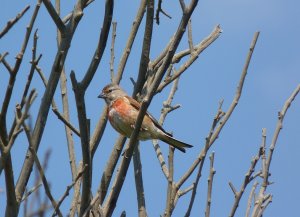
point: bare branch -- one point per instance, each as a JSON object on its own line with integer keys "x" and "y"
{"x": 65, "y": 121}
{"x": 13, "y": 21}
{"x": 98, "y": 132}
{"x": 69, "y": 187}
{"x": 142, "y": 76}
{"x": 248, "y": 178}
{"x": 34, "y": 62}
{"x": 234, "y": 191}
{"x": 158, "y": 10}
{"x": 75, "y": 205}
{"x": 5, "y": 63}
{"x": 109, "y": 8}
{"x": 108, "y": 173}
{"x": 137, "y": 165}
{"x": 131, "y": 38}
{"x": 66, "y": 109}
{"x": 85, "y": 147}
{"x": 28, "y": 193}
{"x": 20, "y": 118}
{"x": 55, "y": 17}
{"x": 54, "y": 107}
{"x": 144, "y": 60}
{"x": 214, "y": 133}
{"x": 112, "y": 50}
{"x": 204, "y": 151}
{"x": 250, "y": 198}
{"x": 182, "y": 4}
{"x": 212, "y": 172}
{"x": 48, "y": 95}
{"x": 167, "y": 108}
{"x": 13, "y": 73}
{"x": 44, "y": 180}
{"x": 2, "y": 56}
{"x": 160, "y": 158}
{"x": 190, "y": 37}
{"x": 194, "y": 55}
{"x": 181, "y": 193}
{"x": 194, "y": 191}
{"x": 259, "y": 208}
{"x": 171, "y": 191}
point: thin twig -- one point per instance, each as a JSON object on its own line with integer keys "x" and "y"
{"x": 46, "y": 101}
{"x": 251, "y": 198}
{"x": 44, "y": 180}
{"x": 28, "y": 193}
{"x": 258, "y": 207}
{"x": 167, "y": 108}
{"x": 13, "y": 73}
{"x": 112, "y": 50}
{"x": 65, "y": 121}
{"x": 212, "y": 172}
{"x": 131, "y": 38}
{"x": 109, "y": 8}
{"x": 170, "y": 190}
{"x": 139, "y": 184}
{"x": 194, "y": 191}
{"x": 158, "y": 10}
{"x": 198, "y": 49}
{"x": 248, "y": 178}
{"x": 75, "y": 205}
{"x": 34, "y": 62}
{"x": 65, "y": 106}
{"x": 190, "y": 37}
{"x": 2, "y": 56}
{"x": 225, "y": 116}
{"x": 69, "y": 187}
{"x": 54, "y": 107}
{"x": 13, "y": 21}
{"x": 20, "y": 118}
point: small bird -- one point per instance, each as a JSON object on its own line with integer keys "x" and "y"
{"x": 123, "y": 111}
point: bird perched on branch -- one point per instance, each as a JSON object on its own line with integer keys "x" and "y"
{"x": 122, "y": 114}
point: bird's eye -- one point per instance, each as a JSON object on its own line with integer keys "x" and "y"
{"x": 110, "y": 90}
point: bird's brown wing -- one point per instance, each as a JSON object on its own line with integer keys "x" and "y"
{"x": 137, "y": 105}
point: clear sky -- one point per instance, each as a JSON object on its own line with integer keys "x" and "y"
{"x": 272, "y": 76}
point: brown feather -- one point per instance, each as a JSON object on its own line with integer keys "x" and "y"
{"x": 137, "y": 105}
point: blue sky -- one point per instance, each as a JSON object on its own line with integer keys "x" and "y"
{"x": 272, "y": 76}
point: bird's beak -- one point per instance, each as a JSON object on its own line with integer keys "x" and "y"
{"x": 102, "y": 96}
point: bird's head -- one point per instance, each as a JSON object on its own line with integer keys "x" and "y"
{"x": 111, "y": 92}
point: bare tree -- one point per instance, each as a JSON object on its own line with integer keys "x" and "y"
{"x": 153, "y": 76}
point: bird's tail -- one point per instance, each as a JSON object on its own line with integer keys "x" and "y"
{"x": 174, "y": 142}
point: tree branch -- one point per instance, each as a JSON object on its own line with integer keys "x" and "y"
{"x": 109, "y": 8}
{"x": 61, "y": 117}
{"x": 197, "y": 50}
{"x": 85, "y": 147}
{"x": 112, "y": 51}
{"x": 215, "y": 130}
{"x": 131, "y": 38}
{"x": 212, "y": 172}
{"x": 12, "y": 22}
{"x": 258, "y": 207}
{"x": 69, "y": 187}
{"x": 48, "y": 95}
{"x": 55, "y": 17}
{"x": 44, "y": 180}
